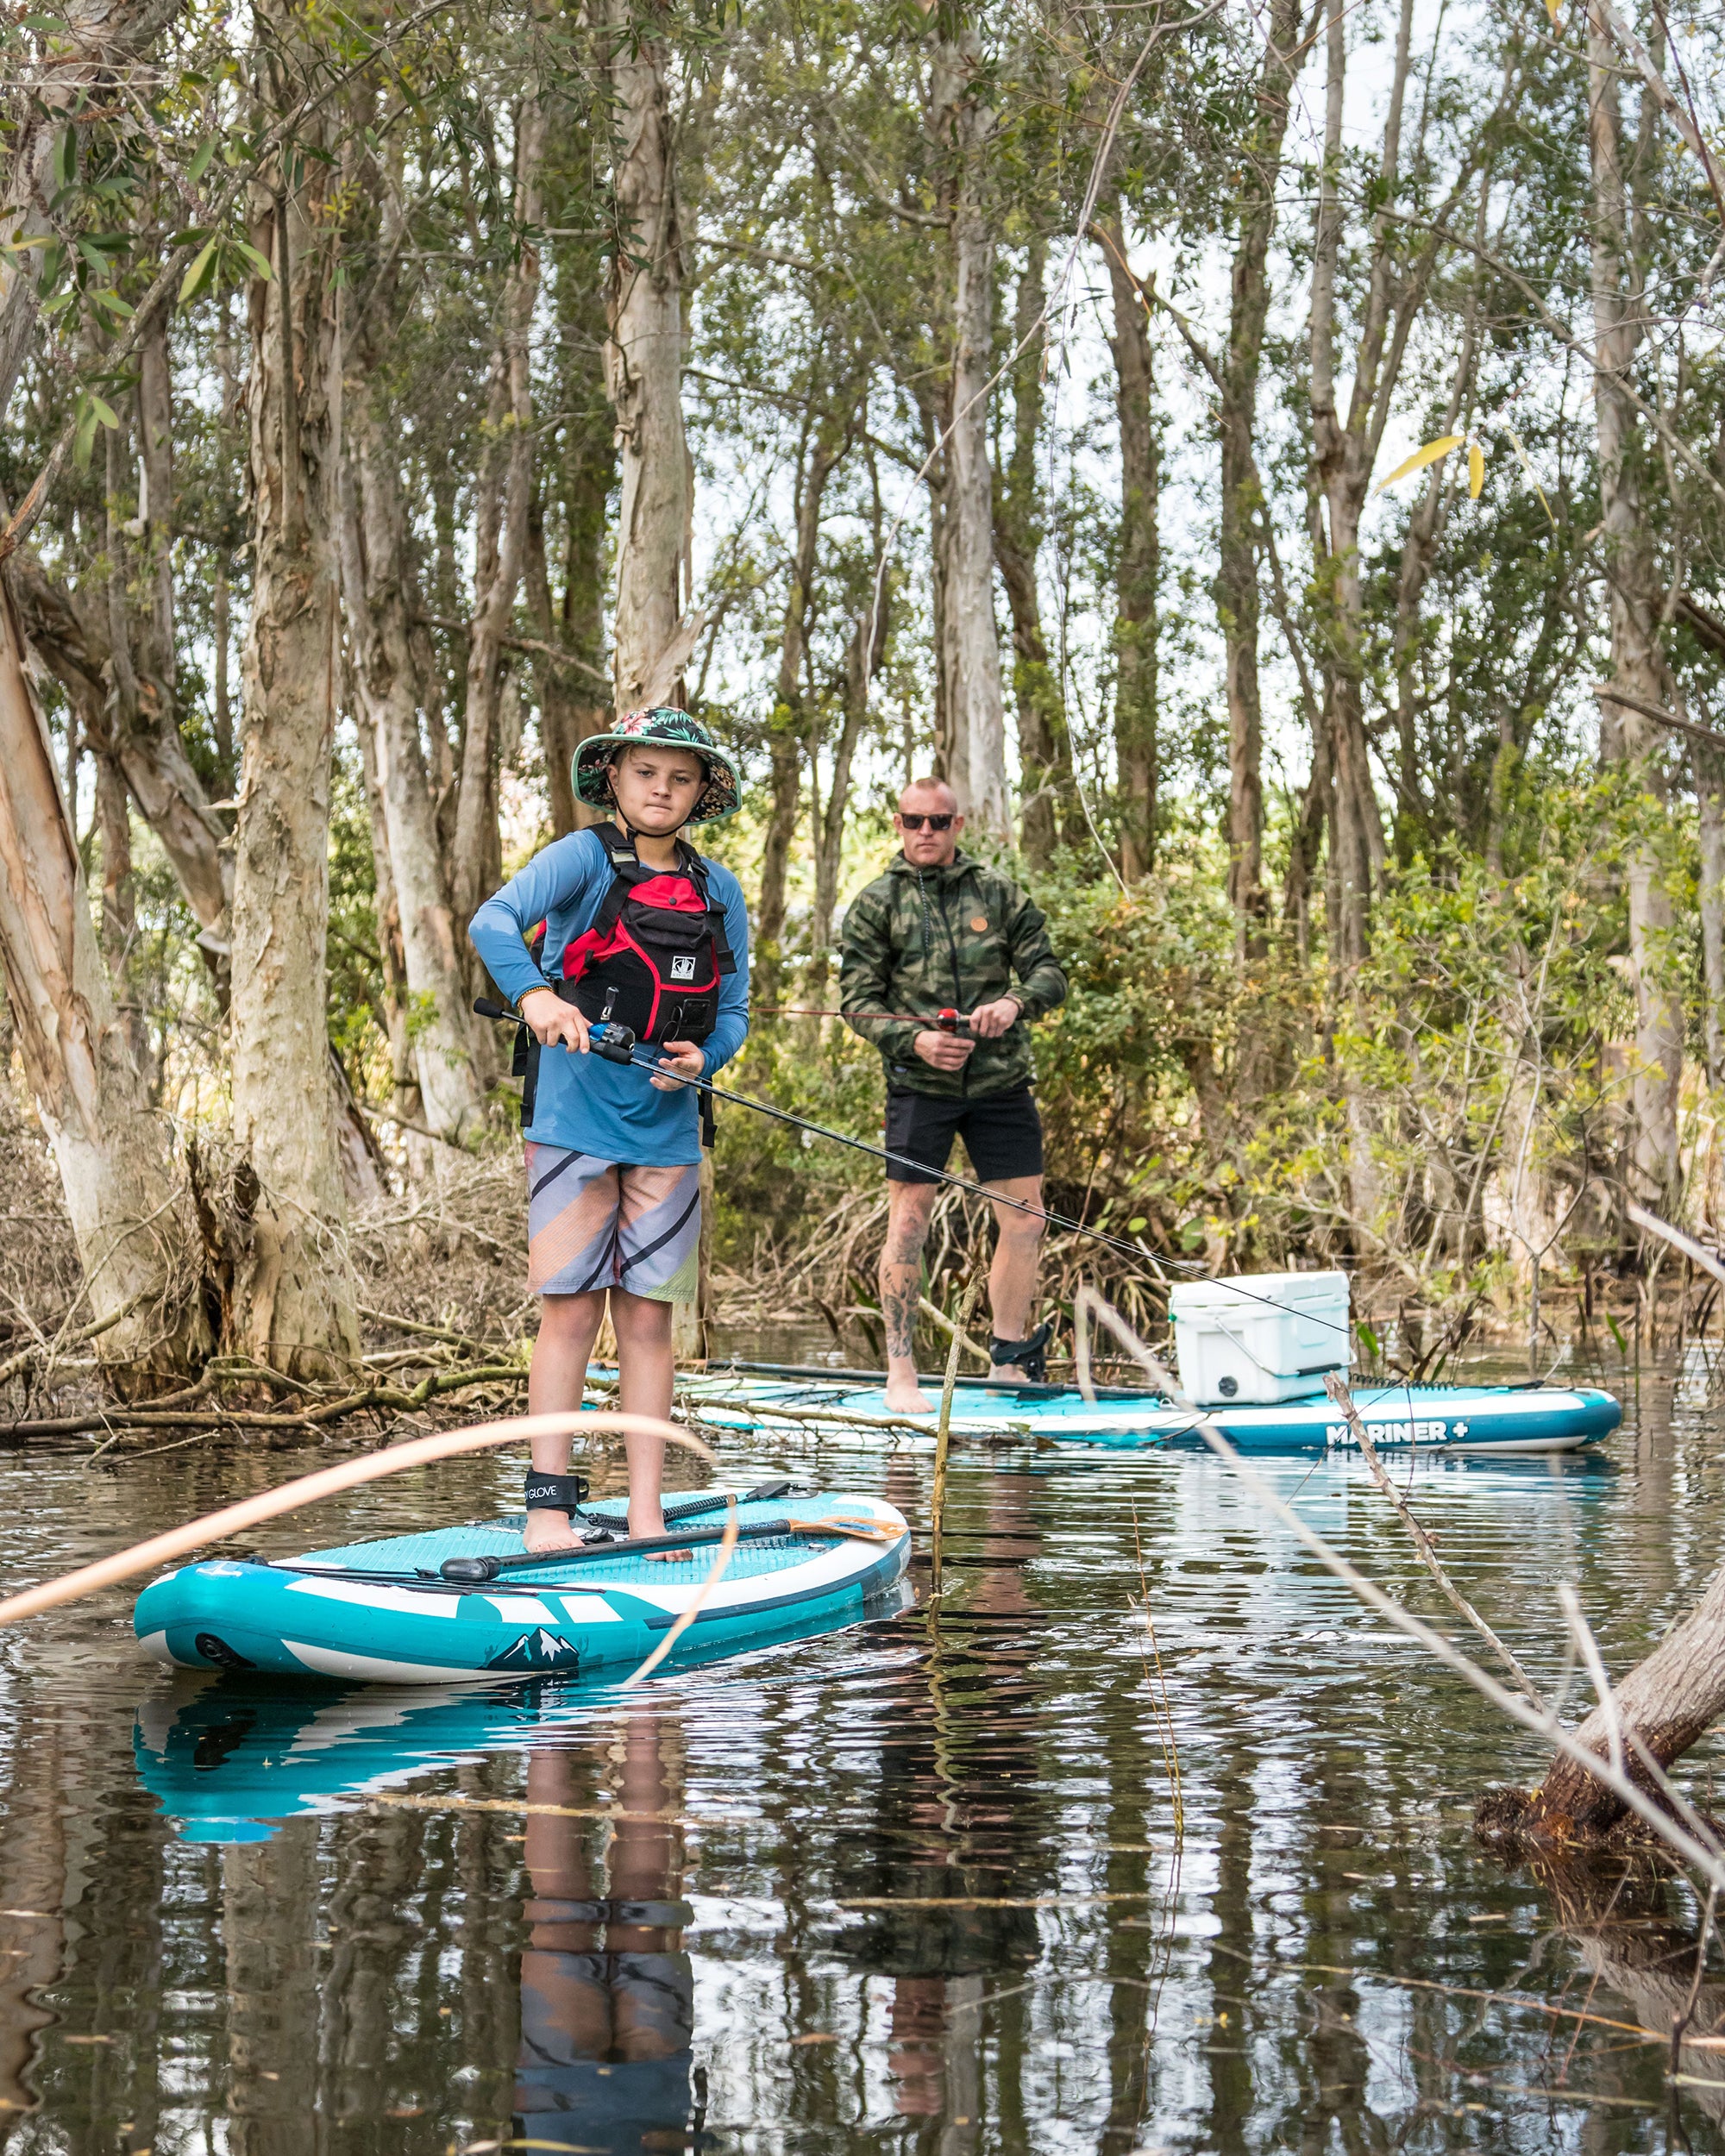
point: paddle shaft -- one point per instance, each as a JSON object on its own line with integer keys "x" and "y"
{"x": 599, "y": 1552}
{"x": 307, "y": 1489}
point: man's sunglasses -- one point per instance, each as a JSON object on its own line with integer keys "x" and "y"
{"x": 935, "y": 823}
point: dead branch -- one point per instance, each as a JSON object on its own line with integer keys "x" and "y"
{"x": 1336, "y": 1385}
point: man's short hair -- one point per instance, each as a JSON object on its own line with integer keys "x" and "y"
{"x": 931, "y": 785}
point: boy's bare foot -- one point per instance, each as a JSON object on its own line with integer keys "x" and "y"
{"x": 547, "y": 1531}
{"x": 905, "y": 1397}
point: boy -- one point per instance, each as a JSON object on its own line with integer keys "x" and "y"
{"x": 641, "y": 932}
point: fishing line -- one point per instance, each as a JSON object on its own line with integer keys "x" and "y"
{"x": 485, "y": 1008}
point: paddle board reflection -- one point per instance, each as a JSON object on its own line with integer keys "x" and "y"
{"x": 600, "y": 2058}
{"x": 607, "y": 1992}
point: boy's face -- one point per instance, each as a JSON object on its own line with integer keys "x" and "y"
{"x": 657, "y": 790}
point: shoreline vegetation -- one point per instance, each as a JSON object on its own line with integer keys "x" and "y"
{"x": 1279, "y": 487}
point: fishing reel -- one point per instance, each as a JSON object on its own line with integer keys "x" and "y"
{"x": 614, "y": 1041}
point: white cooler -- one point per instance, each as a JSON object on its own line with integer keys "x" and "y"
{"x": 1257, "y": 1338}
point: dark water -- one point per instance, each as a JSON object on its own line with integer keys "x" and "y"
{"x": 1008, "y": 1883}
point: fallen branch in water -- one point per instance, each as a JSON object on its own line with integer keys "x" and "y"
{"x": 317, "y": 1417}
{"x": 938, "y": 1318}
{"x": 308, "y": 1489}
{"x": 1696, "y": 1253}
{"x": 43, "y": 1346}
{"x": 1337, "y": 1387}
{"x": 1649, "y": 1795}
{"x": 812, "y": 1418}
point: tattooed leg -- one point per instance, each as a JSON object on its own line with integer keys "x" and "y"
{"x": 909, "y": 1206}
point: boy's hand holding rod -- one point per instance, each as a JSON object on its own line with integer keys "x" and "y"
{"x": 549, "y": 1020}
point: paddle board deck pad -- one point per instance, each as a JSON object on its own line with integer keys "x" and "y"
{"x": 1460, "y": 1418}
{"x": 383, "y": 1612}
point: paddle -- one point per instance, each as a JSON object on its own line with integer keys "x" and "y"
{"x": 475, "y": 1572}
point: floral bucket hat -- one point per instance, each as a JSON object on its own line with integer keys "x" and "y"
{"x": 723, "y": 793}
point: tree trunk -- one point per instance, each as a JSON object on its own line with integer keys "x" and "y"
{"x": 1045, "y": 755}
{"x": 386, "y": 692}
{"x": 119, "y": 920}
{"x": 1242, "y": 501}
{"x": 975, "y": 715}
{"x": 70, "y": 79}
{"x": 572, "y": 701}
{"x": 789, "y": 744}
{"x": 386, "y": 906}
{"x": 1135, "y": 629}
{"x": 1667, "y": 1703}
{"x": 155, "y": 508}
{"x": 1638, "y": 666}
{"x": 296, "y": 1305}
{"x": 1342, "y": 474}
{"x": 500, "y": 546}
{"x": 861, "y": 663}
{"x": 569, "y": 707}
{"x": 643, "y": 357}
{"x": 114, "y": 1159}
{"x": 1709, "y": 798}
{"x": 73, "y": 636}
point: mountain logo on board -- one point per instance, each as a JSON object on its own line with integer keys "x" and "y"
{"x": 536, "y": 1649}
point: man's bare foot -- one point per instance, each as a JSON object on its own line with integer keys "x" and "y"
{"x": 905, "y": 1397}
{"x": 645, "y": 1521}
{"x": 1010, "y": 1374}
{"x": 547, "y": 1531}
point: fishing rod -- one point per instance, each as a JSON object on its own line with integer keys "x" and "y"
{"x": 948, "y": 1021}
{"x": 617, "y": 1045}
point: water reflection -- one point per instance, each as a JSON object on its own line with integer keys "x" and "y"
{"x": 915, "y": 1883}
{"x": 607, "y": 1994}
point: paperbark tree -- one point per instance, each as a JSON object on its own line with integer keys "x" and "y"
{"x": 1242, "y": 491}
{"x": 91, "y": 39}
{"x": 975, "y": 718}
{"x": 1139, "y": 570}
{"x": 115, "y": 1158}
{"x": 1044, "y": 753}
{"x": 644, "y": 364}
{"x": 789, "y": 732}
{"x": 1638, "y": 664}
{"x": 387, "y": 700}
{"x": 72, "y": 634}
{"x": 572, "y": 703}
{"x": 500, "y": 543}
{"x": 1708, "y": 767}
{"x": 1666, "y": 1703}
{"x": 1342, "y": 456}
{"x": 295, "y": 1306}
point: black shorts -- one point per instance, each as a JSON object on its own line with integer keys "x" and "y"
{"x": 1002, "y": 1133}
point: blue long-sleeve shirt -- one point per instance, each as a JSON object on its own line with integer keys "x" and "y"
{"x": 584, "y": 1103}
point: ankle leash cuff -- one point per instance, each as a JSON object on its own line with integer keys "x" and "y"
{"x": 555, "y": 1493}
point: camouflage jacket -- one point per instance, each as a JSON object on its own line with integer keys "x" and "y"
{"x": 919, "y": 939}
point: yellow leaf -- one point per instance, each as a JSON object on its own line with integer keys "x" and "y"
{"x": 1555, "y": 11}
{"x": 1421, "y": 458}
{"x": 1476, "y": 469}
{"x": 1532, "y": 478}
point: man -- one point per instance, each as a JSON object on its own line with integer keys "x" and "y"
{"x": 940, "y": 931}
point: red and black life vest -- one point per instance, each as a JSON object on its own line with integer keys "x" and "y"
{"x": 657, "y": 952}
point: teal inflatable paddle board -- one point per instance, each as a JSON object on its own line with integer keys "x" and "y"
{"x": 227, "y": 1757}
{"x": 1468, "y": 1419}
{"x": 466, "y": 1603}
